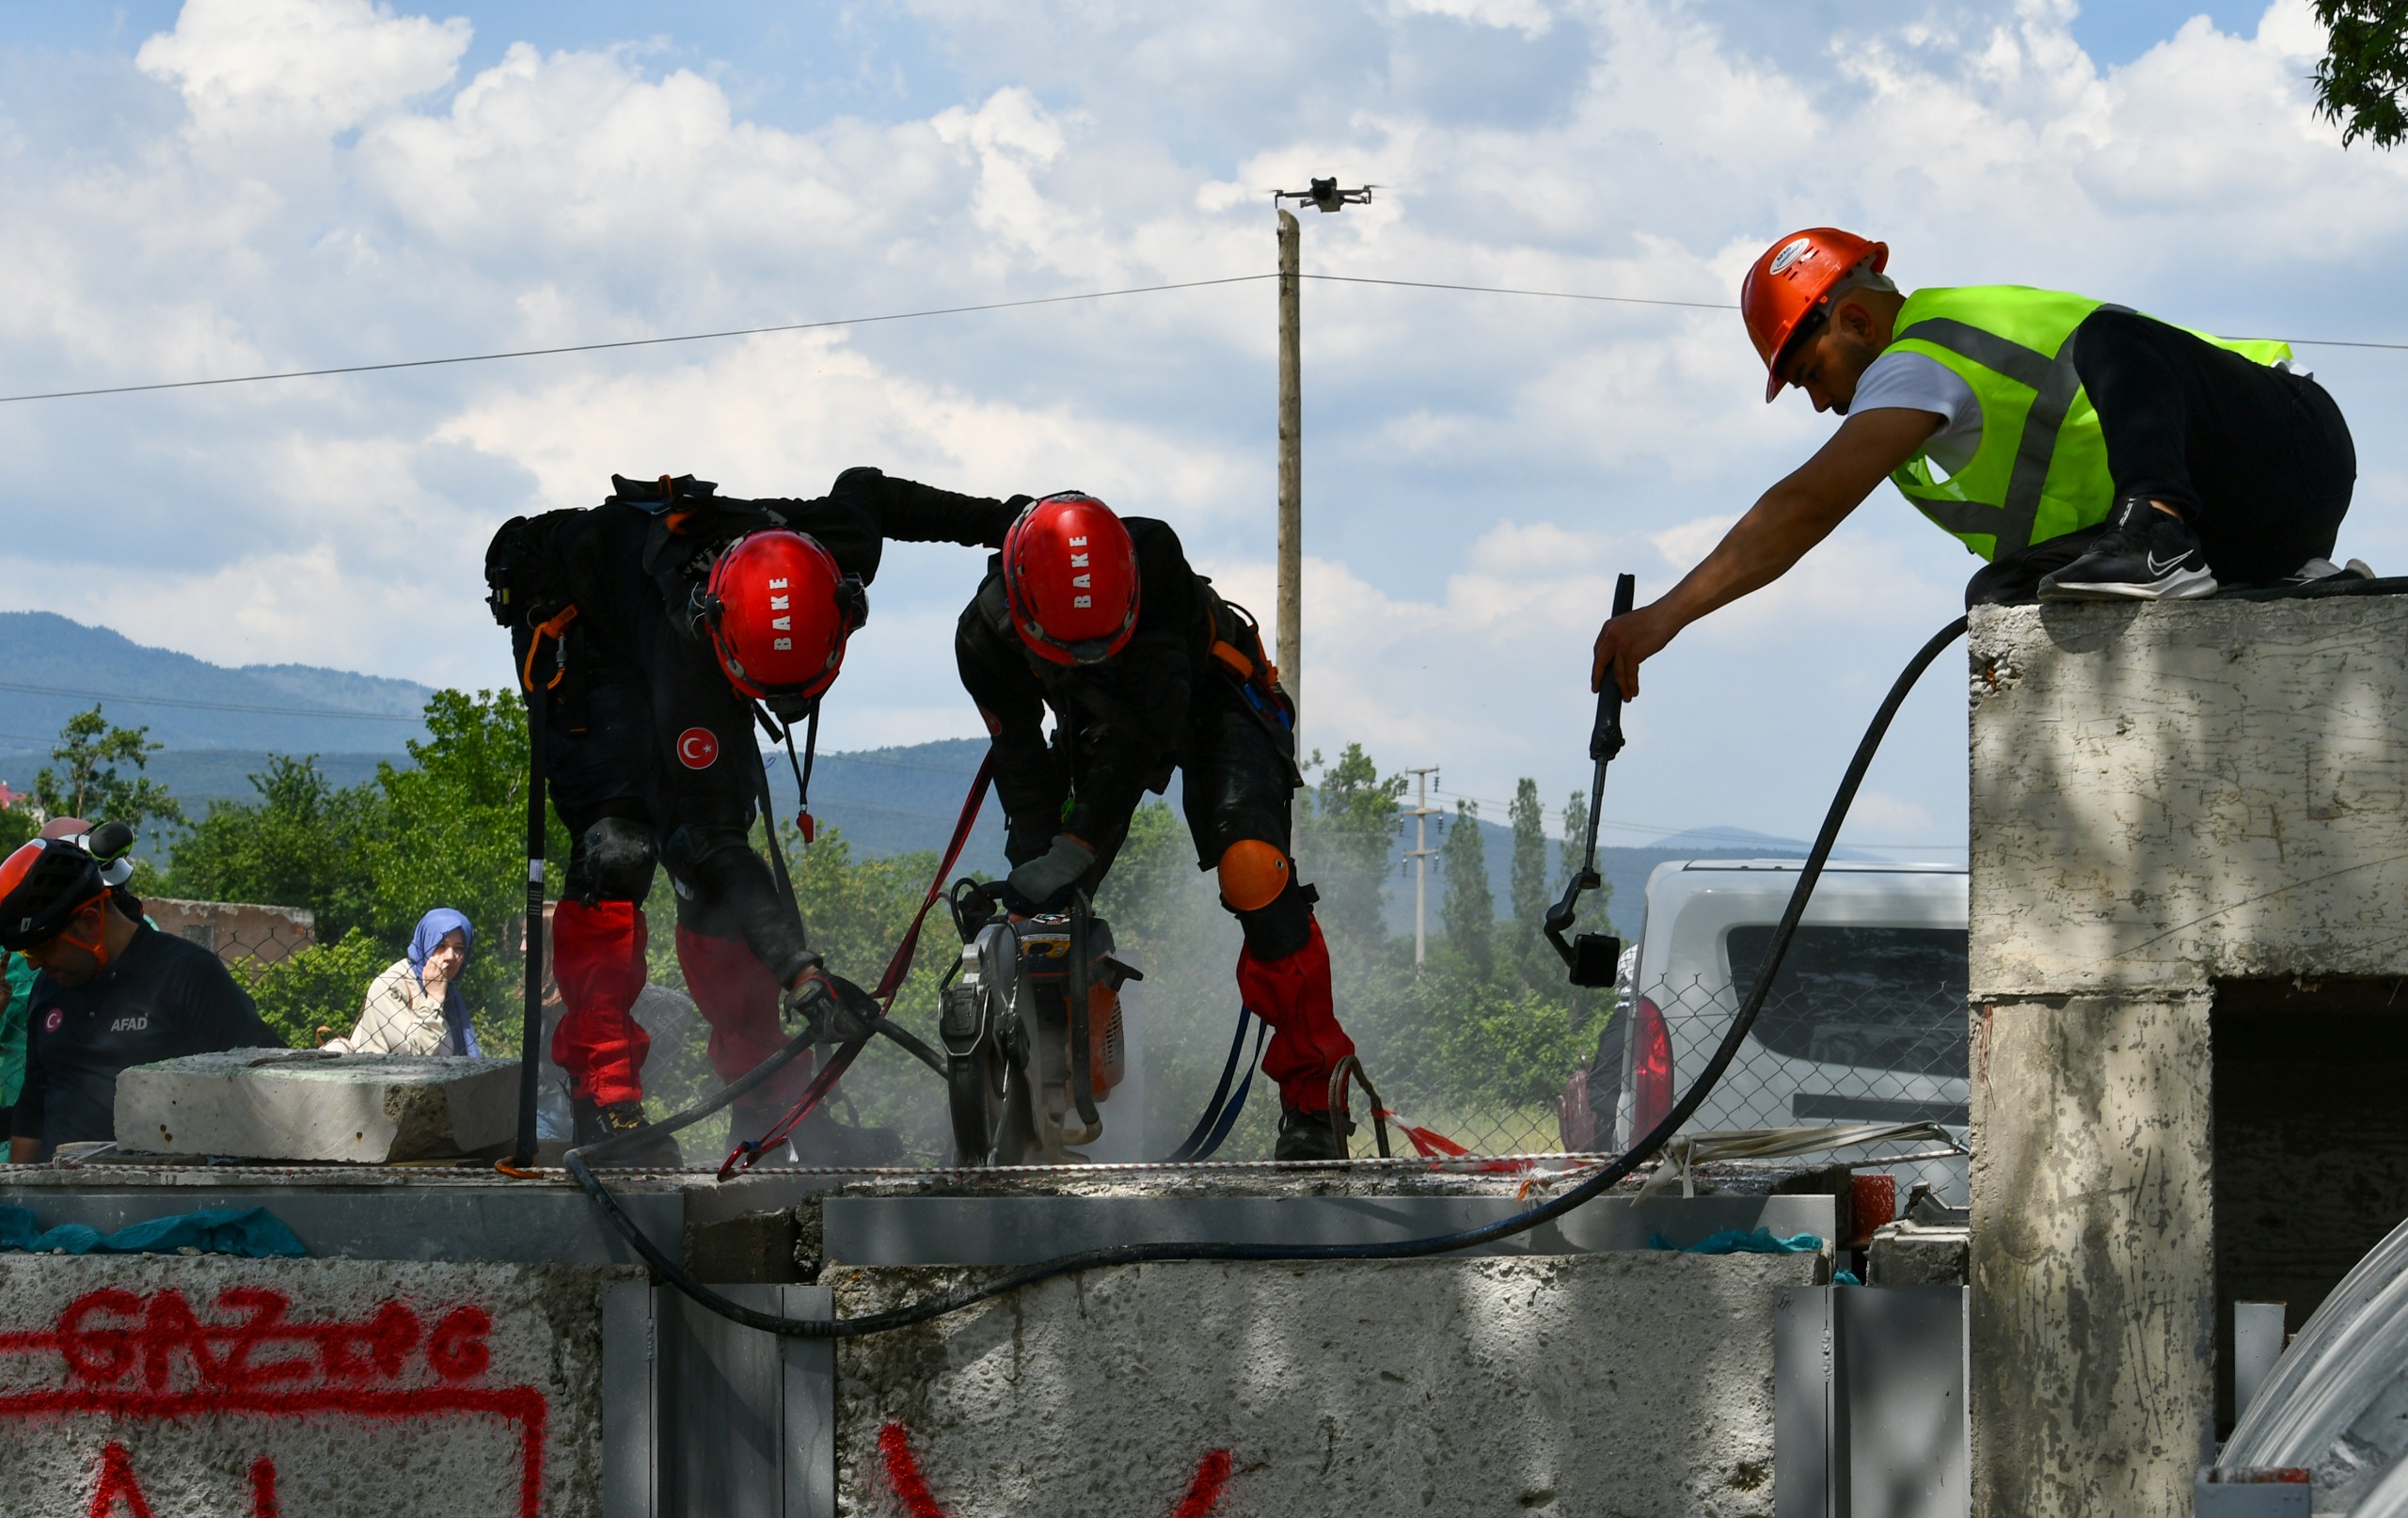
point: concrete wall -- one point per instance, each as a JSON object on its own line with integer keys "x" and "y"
{"x": 2164, "y": 799}
{"x": 331, "y": 1388}
{"x": 237, "y": 931}
{"x": 1637, "y": 1384}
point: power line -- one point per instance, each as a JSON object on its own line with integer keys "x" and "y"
{"x": 629, "y": 342}
{"x": 1544, "y": 294}
{"x": 944, "y": 311}
{"x": 208, "y": 706}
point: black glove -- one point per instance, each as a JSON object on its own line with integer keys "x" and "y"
{"x": 820, "y": 1003}
{"x": 1044, "y": 882}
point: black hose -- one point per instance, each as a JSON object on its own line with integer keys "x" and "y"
{"x": 938, "y": 1306}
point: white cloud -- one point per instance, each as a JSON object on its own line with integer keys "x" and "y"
{"x": 300, "y": 67}
{"x": 284, "y": 184}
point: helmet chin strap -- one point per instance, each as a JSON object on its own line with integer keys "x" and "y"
{"x": 99, "y": 946}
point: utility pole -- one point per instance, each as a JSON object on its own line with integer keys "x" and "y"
{"x": 1291, "y": 470}
{"x": 1421, "y": 853}
{"x": 1327, "y": 197}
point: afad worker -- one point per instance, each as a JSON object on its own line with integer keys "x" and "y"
{"x": 657, "y": 625}
{"x": 111, "y": 992}
{"x": 1147, "y": 669}
{"x": 2087, "y": 451}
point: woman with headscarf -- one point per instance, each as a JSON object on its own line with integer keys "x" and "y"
{"x": 415, "y": 1007}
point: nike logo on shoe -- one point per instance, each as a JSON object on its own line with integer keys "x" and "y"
{"x": 2170, "y": 566}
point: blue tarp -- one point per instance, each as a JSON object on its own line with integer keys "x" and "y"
{"x": 1734, "y": 1241}
{"x": 254, "y": 1233}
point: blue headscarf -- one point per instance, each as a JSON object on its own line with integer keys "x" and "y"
{"x": 462, "y": 1038}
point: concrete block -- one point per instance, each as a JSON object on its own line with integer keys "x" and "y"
{"x": 2165, "y": 795}
{"x": 310, "y": 1105}
{"x": 1634, "y": 1384}
{"x": 1911, "y": 1254}
{"x": 336, "y": 1388}
{"x": 2093, "y": 1270}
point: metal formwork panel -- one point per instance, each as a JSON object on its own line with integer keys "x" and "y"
{"x": 702, "y": 1417}
{"x": 1869, "y": 1403}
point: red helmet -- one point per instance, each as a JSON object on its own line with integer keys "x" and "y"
{"x": 1793, "y": 277}
{"x": 779, "y": 611}
{"x": 1071, "y": 577}
{"x": 42, "y": 886}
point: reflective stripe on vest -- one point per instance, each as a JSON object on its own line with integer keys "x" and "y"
{"x": 2040, "y": 469}
{"x": 2053, "y": 384}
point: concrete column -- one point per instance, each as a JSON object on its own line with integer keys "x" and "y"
{"x": 2173, "y": 807}
{"x": 2093, "y": 1305}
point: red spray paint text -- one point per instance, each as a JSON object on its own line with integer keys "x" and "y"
{"x": 120, "y": 1355}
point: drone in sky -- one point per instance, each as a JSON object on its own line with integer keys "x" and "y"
{"x": 1325, "y": 195}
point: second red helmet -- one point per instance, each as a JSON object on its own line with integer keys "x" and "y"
{"x": 1071, "y": 578}
{"x": 779, "y": 611}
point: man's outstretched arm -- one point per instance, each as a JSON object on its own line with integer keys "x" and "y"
{"x": 1786, "y": 522}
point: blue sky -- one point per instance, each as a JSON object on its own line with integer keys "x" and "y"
{"x": 221, "y": 187}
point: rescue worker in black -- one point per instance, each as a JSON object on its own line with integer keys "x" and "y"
{"x": 1145, "y": 668}
{"x": 654, "y": 625}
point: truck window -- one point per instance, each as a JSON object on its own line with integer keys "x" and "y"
{"x": 1884, "y": 998}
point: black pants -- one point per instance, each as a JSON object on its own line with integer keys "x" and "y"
{"x": 2258, "y": 461}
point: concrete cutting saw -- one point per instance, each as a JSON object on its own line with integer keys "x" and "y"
{"x": 1031, "y": 1022}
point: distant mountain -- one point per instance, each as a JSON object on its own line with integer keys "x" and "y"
{"x": 52, "y": 668}
{"x": 887, "y": 801}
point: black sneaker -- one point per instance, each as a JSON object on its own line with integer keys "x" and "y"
{"x": 596, "y": 1123}
{"x": 2145, "y": 556}
{"x": 1309, "y": 1135}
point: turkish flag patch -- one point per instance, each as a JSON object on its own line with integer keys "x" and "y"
{"x": 697, "y": 747}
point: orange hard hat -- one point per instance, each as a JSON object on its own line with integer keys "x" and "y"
{"x": 1793, "y": 277}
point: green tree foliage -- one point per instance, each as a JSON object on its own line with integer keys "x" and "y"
{"x": 1344, "y": 827}
{"x": 304, "y": 843}
{"x": 1528, "y": 888}
{"x": 321, "y": 986}
{"x": 18, "y": 825}
{"x": 1469, "y": 908}
{"x": 2362, "y": 82}
{"x": 91, "y": 782}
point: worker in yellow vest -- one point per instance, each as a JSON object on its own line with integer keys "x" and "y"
{"x": 2087, "y": 451}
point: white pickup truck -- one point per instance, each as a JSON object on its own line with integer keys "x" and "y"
{"x": 1866, "y": 1021}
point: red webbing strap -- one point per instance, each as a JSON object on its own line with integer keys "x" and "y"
{"x": 889, "y": 984}
{"x": 892, "y": 982}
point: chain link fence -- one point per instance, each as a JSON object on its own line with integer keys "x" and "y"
{"x": 1863, "y": 1025}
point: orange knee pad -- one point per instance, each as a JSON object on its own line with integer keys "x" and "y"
{"x": 1252, "y": 873}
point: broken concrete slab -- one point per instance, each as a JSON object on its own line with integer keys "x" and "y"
{"x": 1914, "y": 1254}
{"x": 308, "y": 1105}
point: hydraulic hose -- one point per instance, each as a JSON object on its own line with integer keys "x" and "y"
{"x": 938, "y": 1306}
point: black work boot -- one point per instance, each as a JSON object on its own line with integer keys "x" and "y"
{"x": 596, "y": 1123}
{"x": 2145, "y": 556}
{"x": 1309, "y": 1135}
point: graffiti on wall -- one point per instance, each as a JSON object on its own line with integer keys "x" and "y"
{"x": 911, "y": 1486}
{"x": 128, "y": 1359}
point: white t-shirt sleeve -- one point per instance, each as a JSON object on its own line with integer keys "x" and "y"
{"x": 1917, "y": 381}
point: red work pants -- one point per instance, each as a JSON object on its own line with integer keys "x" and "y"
{"x": 738, "y": 998}
{"x": 1292, "y": 994}
{"x": 598, "y": 960}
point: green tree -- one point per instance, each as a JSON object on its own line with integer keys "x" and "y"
{"x": 1595, "y": 906}
{"x": 1526, "y": 890}
{"x": 1469, "y": 908}
{"x": 304, "y": 843}
{"x": 2362, "y": 82}
{"x": 452, "y": 833}
{"x": 321, "y": 986}
{"x": 1345, "y": 829}
{"x": 90, "y": 782}
{"x": 18, "y": 825}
